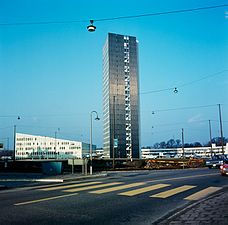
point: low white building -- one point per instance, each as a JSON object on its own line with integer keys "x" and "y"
{"x": 100, "y": 153}
{"x": 204, "y": 152}
{"x": 41, "y": 147}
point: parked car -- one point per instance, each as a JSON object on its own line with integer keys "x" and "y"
{"x": 216, "y": 161}
{"x": 6, "y": 157}
{"x": 224, "y": 168}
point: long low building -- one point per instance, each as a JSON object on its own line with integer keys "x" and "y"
{"x": 41, "y": 147}
{"x": 204, "y": 152}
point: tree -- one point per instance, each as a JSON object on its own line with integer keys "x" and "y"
{"x": 162, "y": 144}
{"x": 187, "y": 145}
{"x": 197, "y": 144}
{"x": 178, "y": 143}
{"x": 170, "y": 143}
{"x": 156, "y": 145}
{"x": 218, "y": 140}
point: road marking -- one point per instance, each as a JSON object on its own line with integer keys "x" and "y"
{"x": 92, "y": 187}
{"x": 69, "y": 186}
{"x": 143, "y": 190}
{"x": 180, "y": 178}
{"x": 57, "y": 185}
{"x": 106, "y": 190}
{"x": 44, "y": 199}
{"x": 172, "y": 192}
{"x": 203, "y": 193}
{"x": 34, "y": 180}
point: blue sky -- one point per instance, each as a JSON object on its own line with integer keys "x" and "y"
{"x": 51, "y": 75}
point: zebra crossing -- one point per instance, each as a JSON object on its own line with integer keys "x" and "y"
{"x": 133, "y": 189}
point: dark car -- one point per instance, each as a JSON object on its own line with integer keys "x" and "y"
{"x": 216, "y": 161}
{"x": 224, "y": 168}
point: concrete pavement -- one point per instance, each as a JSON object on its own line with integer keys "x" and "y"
{"x": 212, "y": 210}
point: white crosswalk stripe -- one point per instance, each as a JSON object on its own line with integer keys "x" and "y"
{"x": 143, "y": 190}
{"x": 121, "y": 187}
{"x": 174, "y": 191}
{"x": 92, "y": 187}
{"x": 203, "y": 193}
{"x": 69, "y": 186}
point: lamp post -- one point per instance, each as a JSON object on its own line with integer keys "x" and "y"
{"x": 56, "y": 143}
{"x": 113, "y": 139}
{"x": 182, "y": 138}
{"x": 91, "y": 142}
{"x": 15, "y": 136}
{"x": 221, "y": 132}
{"x": 210, "y": 137}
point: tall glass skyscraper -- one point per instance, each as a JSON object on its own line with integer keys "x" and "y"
{"x": 121, "y": 97}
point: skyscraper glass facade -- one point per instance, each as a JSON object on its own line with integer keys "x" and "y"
{"x": 121, "y": 96}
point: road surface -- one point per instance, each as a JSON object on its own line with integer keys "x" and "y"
{"x": 121, "y": 198}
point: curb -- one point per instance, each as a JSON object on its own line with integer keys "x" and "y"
{"x": 181, "y": 210}
{"x": 47, "y": 180}
{"x": 3, "y": 187}
{"x": 31, "y": 180}
{"x": 85, "y": 177}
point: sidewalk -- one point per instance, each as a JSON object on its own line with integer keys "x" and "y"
{"x": 65, "y": 176}
{"x": 15, "y": 180}
{"x": 212, "y": 210}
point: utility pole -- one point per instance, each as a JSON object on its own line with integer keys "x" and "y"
{"x": 8, "y": 144}
{"x": 14, "y": 142}
{"x": 220, "y": 119}
{"x": 113, "y": 147}
{"x": 210, "y": 136}
{"x": 182, "y": 137}
{"x": 55, "y": 144}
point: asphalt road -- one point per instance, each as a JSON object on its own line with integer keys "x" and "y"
{"x": 121, "y": 198}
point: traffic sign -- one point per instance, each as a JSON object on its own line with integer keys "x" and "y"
{"x": 115, "y": 143}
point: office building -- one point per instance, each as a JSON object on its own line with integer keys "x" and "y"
{"x": 121, "y": 97}
{"x": 41, "y": 147}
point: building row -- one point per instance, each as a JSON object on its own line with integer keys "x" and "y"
{"x": 42, "y": 147}
{"x": 203, "y": 152}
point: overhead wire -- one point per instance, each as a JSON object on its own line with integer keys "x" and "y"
{"x": 203, "y": 78}
{"x": 2, "y": 128}
{"x": 183, "y": 108}
{"x": 118, "y": 17}
{"x": 162, "y": 13}
{"x": 185, "y": 84}
{"x": 9, "y": 116}
{"x": 178, "y": 123}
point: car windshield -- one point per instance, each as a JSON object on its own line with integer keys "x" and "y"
{"x": 219, "y": 157}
